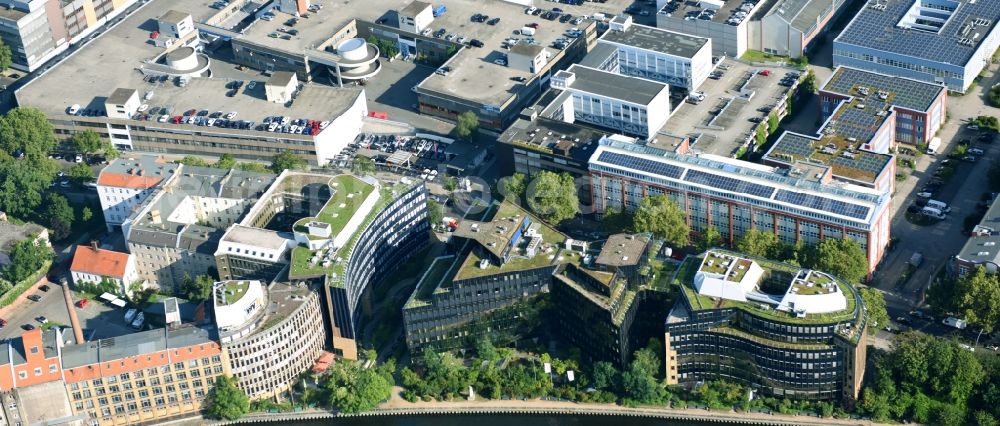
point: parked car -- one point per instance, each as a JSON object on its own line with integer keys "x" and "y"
{"x": 34, "y": 298}
{"x": 3, "y": 323}
{"x": 42, "y": 319}
{"x": 82, "y": 303}
{"x": 44, "y": 287}
{"x": 28, "y": 327}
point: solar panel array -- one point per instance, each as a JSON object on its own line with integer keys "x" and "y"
{"x": 729, "y": 184}
{"x": 878, "y": 30}
{"x": 909, "y": 94}
{"x": 822, "y": 203}
{"x": 797, "y": 146}
{"x": 859, "y": 124}
{"x": 641, "y": 164}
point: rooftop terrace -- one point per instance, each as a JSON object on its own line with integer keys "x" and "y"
{"x": 349, "y": 193}
{"x": 231, "y": 291}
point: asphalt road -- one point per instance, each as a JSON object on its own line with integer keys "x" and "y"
{"x": 97, "y": 319}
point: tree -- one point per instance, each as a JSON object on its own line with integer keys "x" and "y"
{"x": 87, "y": 142}
{"x": 22, "y": 183}
{"x": 81, "y": 172}
{"x": 809, "y": 83}
{"x": 287, "y": 161}
{"x": 5, "y": 56}
{"x": 709, "y": 238}
{"x": 616, "y": 220}
{"x": 772, "y": 122}
{"x": 198, "y": 288}
{"x": 190, "y": 160}
{"x": 842, "y": 257}
{"x": 513, "y": 187}
{"x": 466, "y": 125}
{"x": 27, "y": 130}
{"x": 605, "y": 376}
{"x": 875, "y": 304}
{"x": 26, "y": 257}
{"x": 435, "y": 213}
{"x": 226, "y": 161}
{"x": 110, "y": 152}
{"x": 979, "y": 298}
{"x": 486, "y": 351}
{"x": 639, "y": 383}
{"x": 362, "y": 166}
{"x": 86, "y": 214}
{"x": 58, "y": 215}
{"x": 253, "y": 167}
{"x": 761, "y": 135}
{"x": 661, "y": 216}
{"x": 226, "y": 400}
{"x": 353, "y": 389}
{"x": 553, "y": 197}
{"x": 759, "y": 243}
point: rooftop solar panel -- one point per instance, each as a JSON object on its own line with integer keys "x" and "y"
{"x": 910, "y": 94}
{"x": 641, "y": 164}
{"x": 822, "y": 203}
{"x": 729, "y": 184}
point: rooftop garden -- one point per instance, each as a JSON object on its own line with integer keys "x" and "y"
{"x": 685, "y": 278}
{"x": 663, "y": 274}
{"x": 300, "y": 255}
{"x": 432, "y": 282}
{"x": 349, "y": 193}
{"x": 233, "y": 291}
{"x": 550, "y": 237}
{"x": 740, "y": 270}
{"x": 768, "y": 342}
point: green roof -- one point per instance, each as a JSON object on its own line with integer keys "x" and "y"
{"x": 688, "y": 268}
{"x": 349, "y": 193}
{"x": 300, "y": 255}
{"x": 470, "y": 267}
{"x": 234, "y": 290}
{"x": 434, "y": 280}
{"x": 768, "y": 342}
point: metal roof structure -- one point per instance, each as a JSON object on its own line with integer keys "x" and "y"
{"x": 937, "y": 34}
{"x": 615, "y": 86}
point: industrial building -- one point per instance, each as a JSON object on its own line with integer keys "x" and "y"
{"x": 944, "y": 42}
{"x": 784, "y": 331}
{"x": 918, "y": 108}
{"x": 735, "y": 196}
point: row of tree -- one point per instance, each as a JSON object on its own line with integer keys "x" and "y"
{"x": 285, "y": 160}
{"x": 976, "y": 296}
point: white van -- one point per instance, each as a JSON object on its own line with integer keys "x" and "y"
{"x": 933, "y": 146}
{"x": 940, "y": 205}
{"x": 932, "y": 212}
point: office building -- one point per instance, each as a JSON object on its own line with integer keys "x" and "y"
{"x": 176, "y": 231}
{"x": 784, "y": 331}
{"x": 95, "y": 266}
{"x": 944, "y": 42}
{"x": 170, "y": 94}
{"x": 271, "y": 333}
{"x": 918, "y": 107}
{"x": 735, "y": 196}
{"x": 851, "y": 146}
{"x": 345, "y": 231}
{"x": 621, "y": 104}
{"x": 676, "y": 59}
{"x": 537, "y": 143}
{"x": 482, "y": 291}
{"x": 728, "y": 24}
{"x": 596, "y": 301}
{"x": 980, "y": 249}
{"x": 127, "y": 182}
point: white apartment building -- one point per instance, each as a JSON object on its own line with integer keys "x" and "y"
{"x": 668, "y": 57}
{"x": 127, "y": 182}
{"x": 630, "y": 105}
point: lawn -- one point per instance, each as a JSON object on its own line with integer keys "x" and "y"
{"x": 349, "y": 193}
{"x": 235, "y": 290}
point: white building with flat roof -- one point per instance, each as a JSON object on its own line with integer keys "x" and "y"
{"x": 629, "y": 105}
{"x": 668, "y": 57}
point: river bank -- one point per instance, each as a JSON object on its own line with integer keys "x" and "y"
{"x": 501, "y": 408}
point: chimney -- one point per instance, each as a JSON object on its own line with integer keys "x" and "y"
{"x": 93, "y": 245}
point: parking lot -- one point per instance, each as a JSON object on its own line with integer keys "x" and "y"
{"x": 98, "y": 320}
{"x": 723, "y": 119}
{"x": 391, "y": 92}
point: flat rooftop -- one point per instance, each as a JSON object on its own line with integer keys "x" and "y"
{"x": 112, "y": 61}
{"x": 983, "y": 245}
{"x": 231, "y": 291}
{"x": 623, "y": 250}
{"x": 548, "y": 254}
{"x": 616, "y": 86}
{"x": 474, "y": 75}
{"x": 906, "y": 93}
{"x": 803, "y": 15}
{"x": 135, "y": 344}
{"x": 839, "y": 145}
{"x": 570, "y": 140}
{"x": 657, "y": 40}
{"x": 948, "y": 37}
